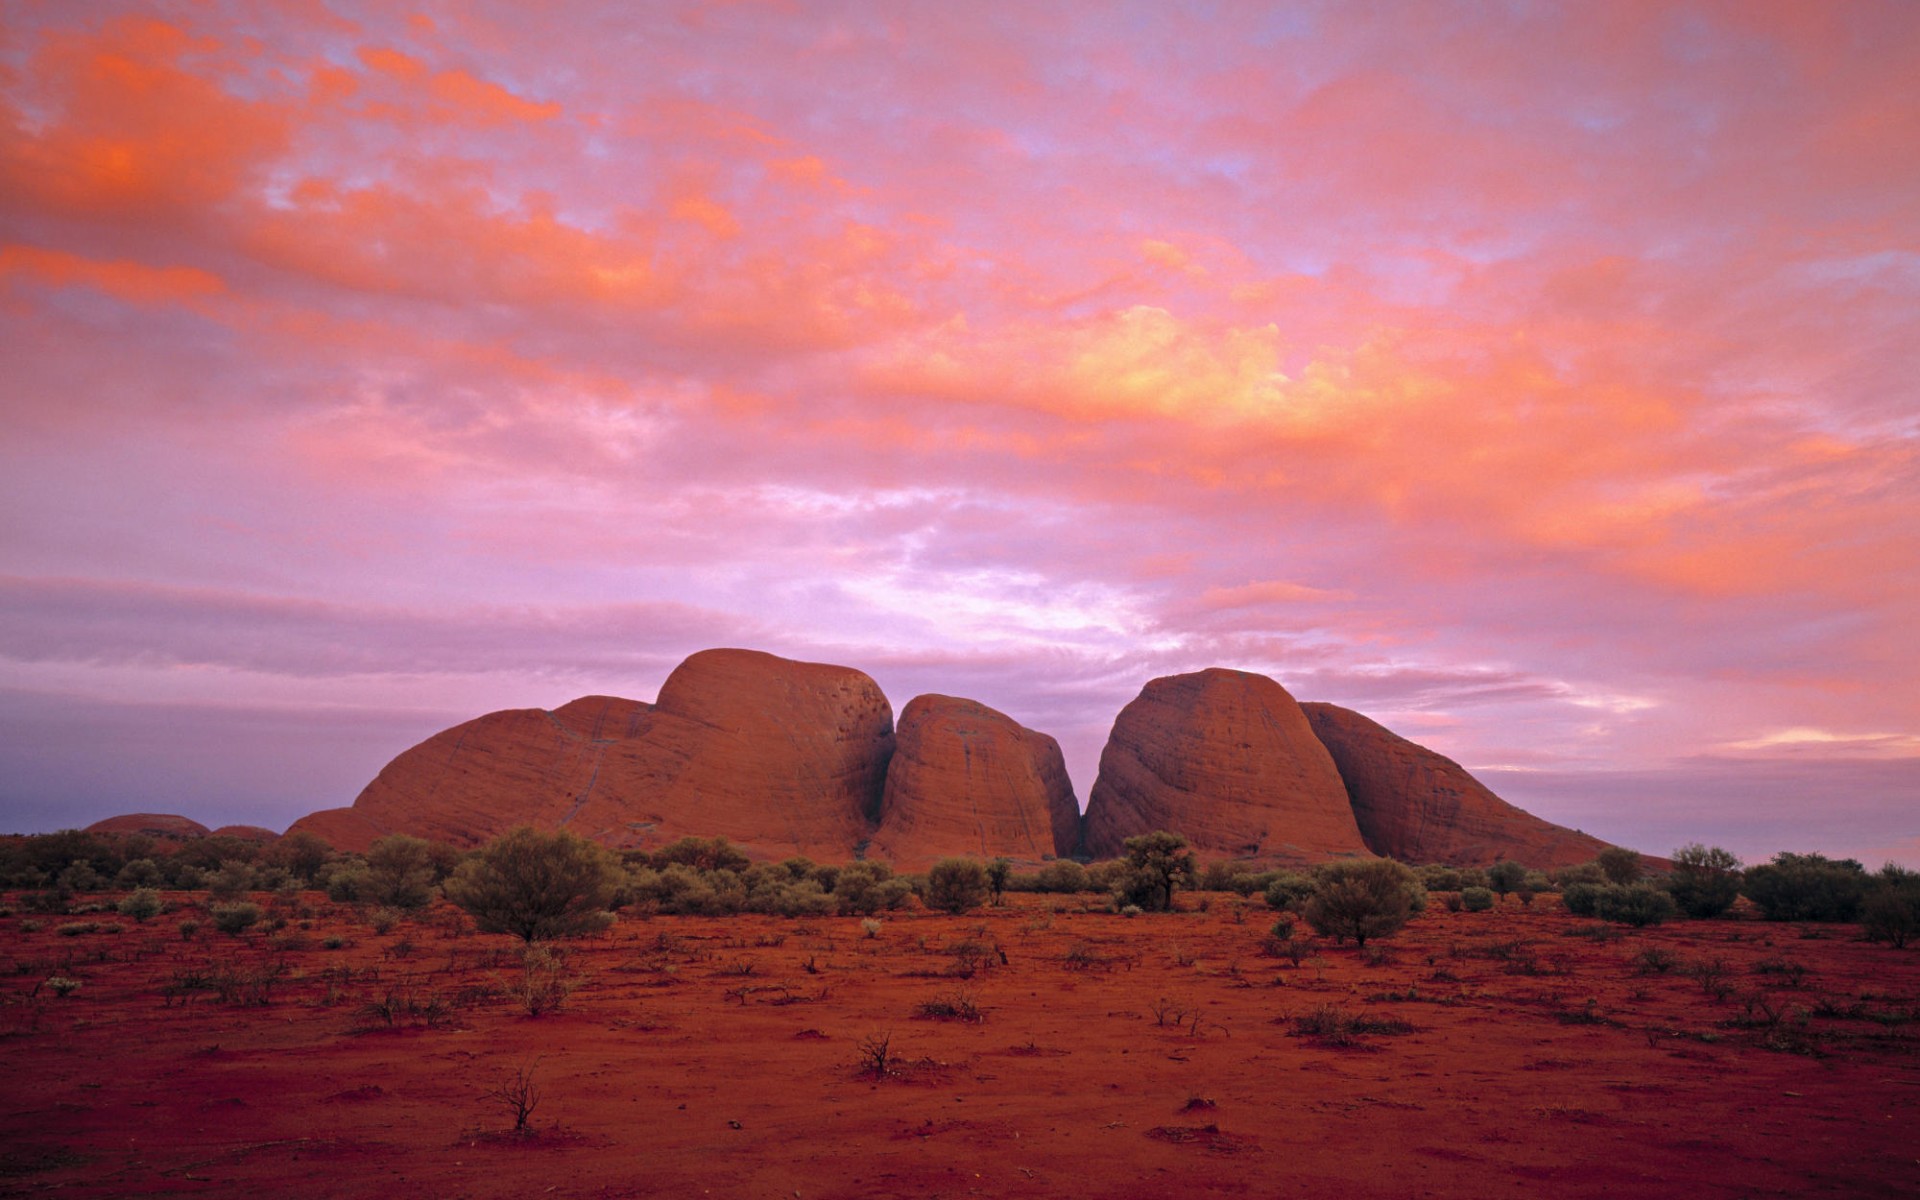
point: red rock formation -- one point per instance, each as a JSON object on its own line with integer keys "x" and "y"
{"x": 1227, "y": 759}
{"x": 247, "y": 833}
{"x": 1421, "y": 807}
{"x": 165, "y": 825}
{"x": 966, "y": 779}
{"x": 782, "y": 757}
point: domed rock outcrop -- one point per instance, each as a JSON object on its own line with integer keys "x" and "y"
{"x": 782, "y": 757}
{"x": 259, "y": 834}
{"x": 165, "y": 825}
{"x": 1227, "y": 759}
{"x": 1421, "y": 807}
{"x": 966, "y": 779}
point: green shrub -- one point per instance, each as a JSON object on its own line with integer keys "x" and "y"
{"x": 702, "y": 854}
{"x": 232, "y": 879}
{"x": 1807, "y": 887}
{"x": 1476, "y": 899}
{"x": 957, "y": 885}
{"x": 1158, "y": 864}
{"x": 1505, "y": 876}
{"x": 868, "y": 887}
{"x": 347, "y": 881}
{"x": 1705, "y": 880}
{"x": 538, "y": 885}
{"x": 1361, "y": 899}
{"x": 234, "y": 918}
{"x": 1288, "y": 890}
{"x": 1619, "y": 864}
{"x": 1638, "y": 904}
{"x": 1062, "y": 877}
{"x": 401, "y": 872}
{"x": 141, "y": 904}
{"x": 1891, "y": 911}
{"x": 1582, "y": 897}
{"x": 139, "y": 873}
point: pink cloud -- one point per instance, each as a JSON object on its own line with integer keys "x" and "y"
{"x": 1537, "y": 379}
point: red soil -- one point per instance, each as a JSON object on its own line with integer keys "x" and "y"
{"x": 1117, "y": 1057}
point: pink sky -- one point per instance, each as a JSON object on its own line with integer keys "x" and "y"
{"x": 1539, "y": 380}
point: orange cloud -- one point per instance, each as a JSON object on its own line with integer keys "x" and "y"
{"x": 132, "y": 126}
{"x": 124, "y": 279}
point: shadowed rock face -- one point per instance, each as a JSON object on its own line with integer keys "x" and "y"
{"x": 966, "y": 779}
{"x": 152, "y": 824}
{"x": 1421, "y": 807}
{"x": 1227, "y": 759}
{"x": 782, "y": 757}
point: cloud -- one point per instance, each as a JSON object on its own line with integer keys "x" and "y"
{"x": 1536, "y": 380}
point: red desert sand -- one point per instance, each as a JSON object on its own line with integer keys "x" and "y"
{"x": 1038, "y": 1049}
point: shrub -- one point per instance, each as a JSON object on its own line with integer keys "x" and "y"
{"x": 1158, "y": 864}
{"x": 1476, "y": 899}
{"x": 702, "y": 854}
{"x": 141, "y": 904}
{"x": 868, "y": 887}
{"x": 1585, "y": 872}
{"x": 188, "y": 928}
{"x": 1361, "y": 899}
{"x": 1619, "y": 864}
{"x": 1705, "y": 880}
{"x": 956, "y": 885}
{"x": 1438, "y": 877}
{"x": 538, "y": 885}
{"x": 348, "y": 882}
{"x": 140, "y": 873}
{"x": 401, "y": 872}
{"x": 234, "y": 918}
{"x": 998, "y": 872}
{"x": 1288, "y": 890}
{"x": 1582, "y": 898}
{"x": 1505, "y": 876}
{"x": 231, "y": 879}
{"x": 1891, "y": 911}
{"x": 544, "y": 982}
{"x": 1639, "y": 904}
{"x": 1807, "y": 887}
{"x": 1062, "y": 876}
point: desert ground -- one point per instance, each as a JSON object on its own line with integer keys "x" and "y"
{"x": 1044, "y": 1048}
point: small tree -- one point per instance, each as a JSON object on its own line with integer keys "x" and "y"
{"x": 998, "y": 872}
{"x": 400, "y": 871}
{"x": 1361, "y": 899}
{"x": 1620, "y": 865}
{"x": 538, "y": 885}
{"x": 956, "y": 885}
{"x": 1705, "y": 880}
{"x": 1158, "y": 864}
{"x": 1505, "y": 876}
{"x": 1891, "y": 911}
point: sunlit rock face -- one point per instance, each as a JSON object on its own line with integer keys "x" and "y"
{"x": 780, "y": 756}
{"x": 165, "y": 825}
{"x": 1227, "y": 759}
{"x": 966, "y": 779}
{"x": 1421, "y": 807}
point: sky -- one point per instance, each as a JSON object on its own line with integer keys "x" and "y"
{"x": 1538, "y": 379}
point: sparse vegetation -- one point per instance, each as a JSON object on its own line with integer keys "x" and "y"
{"x": 538, "y": 886}
{"x": 1361, "y": 899}
{"x": 1705, "y": 880}
{"x": 957, "y": 885}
